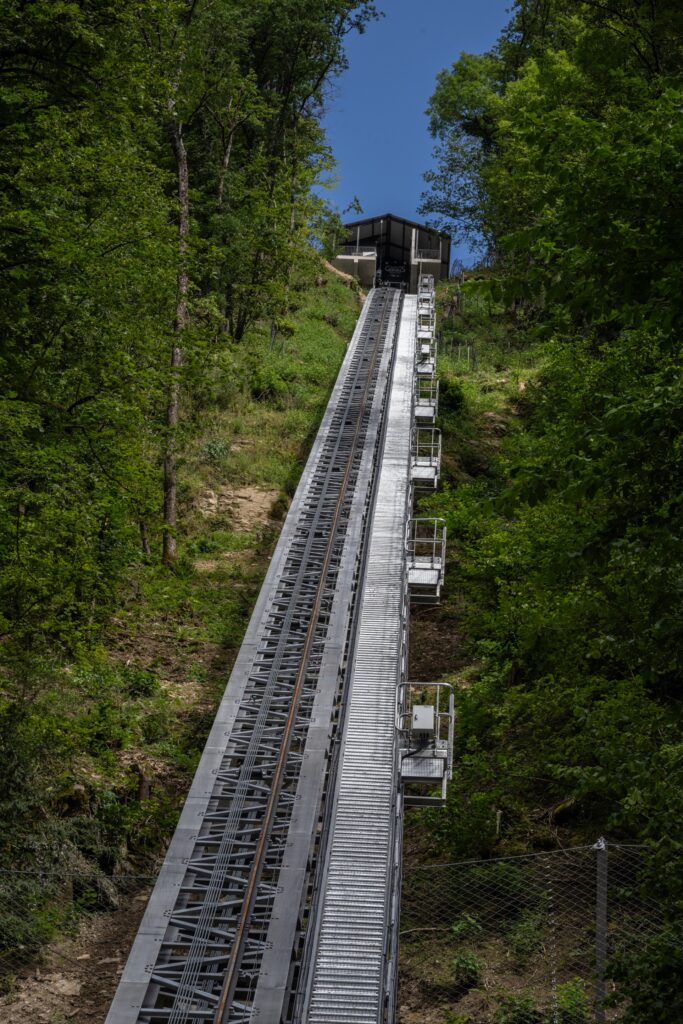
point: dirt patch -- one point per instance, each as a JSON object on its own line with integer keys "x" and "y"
{"x": 248, "y": 507}
{"x": 207, "y": 564}
{"x": 495, "y": 423}
{"x": 348, "y": 279}
{"x": 435, "y": 645}
{"x": 78, "y": 976}
{"x": 245, "y": 559}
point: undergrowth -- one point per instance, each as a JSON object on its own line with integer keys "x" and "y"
{"x": 98, "y": 750}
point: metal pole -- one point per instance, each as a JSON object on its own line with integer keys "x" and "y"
{"x": 600, "y": 928}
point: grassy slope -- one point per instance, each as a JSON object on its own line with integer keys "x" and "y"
{"x": 486, "y": 367}
{"x": 125, "y": 727}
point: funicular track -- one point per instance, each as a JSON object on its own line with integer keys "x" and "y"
{"x": 205, "y": 961}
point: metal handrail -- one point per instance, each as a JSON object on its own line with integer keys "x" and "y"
{"x": 427, "y": 539}
{"x": 426, "y": 444}
{"x": 427, "y": 390}
{"x": 358, "y": 250}
{"x": 404, "y": 714}
{"x": 426, "y": 343}
{"x": 424, "y": 329}
{"x": 428, "y": 254}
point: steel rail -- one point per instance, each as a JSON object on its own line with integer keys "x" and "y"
{"x": 231, "y": 837}
{"x": 239, "y": 941}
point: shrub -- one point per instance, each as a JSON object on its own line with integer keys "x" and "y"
{"x": 525, "y": 937}
{"x": 468, "y": 970}
{"x": 572, "y": 1003}
{"x": 215, "y": 451}
{"x": 517, "y": 1010}
{"x": 451, "y": 395}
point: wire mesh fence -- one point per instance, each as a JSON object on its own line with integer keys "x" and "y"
{"x": 64, "y": 940}
{"x": 522, "y": 940}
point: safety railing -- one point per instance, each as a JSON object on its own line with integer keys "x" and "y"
{"x": 426, "y": 559}
{"x": 357, "y": 250}
{"x": 425, "y": 458}
{"x": 426, "y": 397}
{"x": 426, "y": 447}
{"x": 427, "y": 541}
{"x": 426, "y": 724}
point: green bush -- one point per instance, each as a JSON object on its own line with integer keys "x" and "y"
{"x": 518, "y": 1010}
{"x": 215, "y": 451}
{"x": 525, "y": 937}
{"x": 464, "y": 926}
{"x": 573, "y": 1006}
{"x": 467, "y": 971}
{"x": 451, "y": 394}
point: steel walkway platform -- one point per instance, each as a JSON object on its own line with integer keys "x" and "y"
{"x": 353, "y": 957}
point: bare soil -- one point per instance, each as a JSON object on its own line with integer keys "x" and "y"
{"x": 348, "y": 279}
{"x": 77, "y": 977}
{"x": 248, "y": 507}
{"x": 435, "y": 645}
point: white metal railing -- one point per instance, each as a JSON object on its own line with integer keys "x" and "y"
{"x": 358, "y": 250}
{"x": 427, "y": 392}
{"x": 428, "y": 254}
{"x": 444, "y": 715}
{"x": 426, "y": 447}
{"x": 426, "y": 348}
{"x": 427, "y": 543}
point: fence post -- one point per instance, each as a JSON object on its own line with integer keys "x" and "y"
{"x": 601, "y": 856}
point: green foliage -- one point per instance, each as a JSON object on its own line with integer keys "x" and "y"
{"x": 525, "y": 937}
{"x": 216, "y": 450}
{"x": 648, "y": 980}
{"x": 518, "y": 1010}
{"x": 105, "y": 109}
{"x": 561, "y": 150}
{"x": 467, "y": 971}
{"x": 573, "y": 1006}
{"x": 465, "y": 926}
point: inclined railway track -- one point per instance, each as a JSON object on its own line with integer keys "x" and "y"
{"x": 210, "y": 958}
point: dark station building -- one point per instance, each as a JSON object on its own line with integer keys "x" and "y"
{"x": 390, "y": 250}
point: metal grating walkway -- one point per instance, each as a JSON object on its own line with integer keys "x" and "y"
{"x": 352, "y": 960}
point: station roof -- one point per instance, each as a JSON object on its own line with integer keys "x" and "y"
{"x": 402, "y": 220}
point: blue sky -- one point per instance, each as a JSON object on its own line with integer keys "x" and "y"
{"x": 376, "y": 122}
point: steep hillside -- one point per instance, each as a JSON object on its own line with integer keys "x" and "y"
{"x": 104, "y": 747}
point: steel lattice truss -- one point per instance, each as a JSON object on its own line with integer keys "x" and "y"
{"x": 209, "y": 919}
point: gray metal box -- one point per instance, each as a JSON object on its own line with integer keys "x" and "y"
{"x": 423, "y": 722}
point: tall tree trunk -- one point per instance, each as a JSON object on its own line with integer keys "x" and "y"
{"x": 144, "y": 538}
{"x": 181, "y": 321}
{"x": 224, "y": 168}
{"x": 225, "y": 163}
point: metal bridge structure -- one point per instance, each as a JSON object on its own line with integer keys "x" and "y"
{"x": 278, "y": 899}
